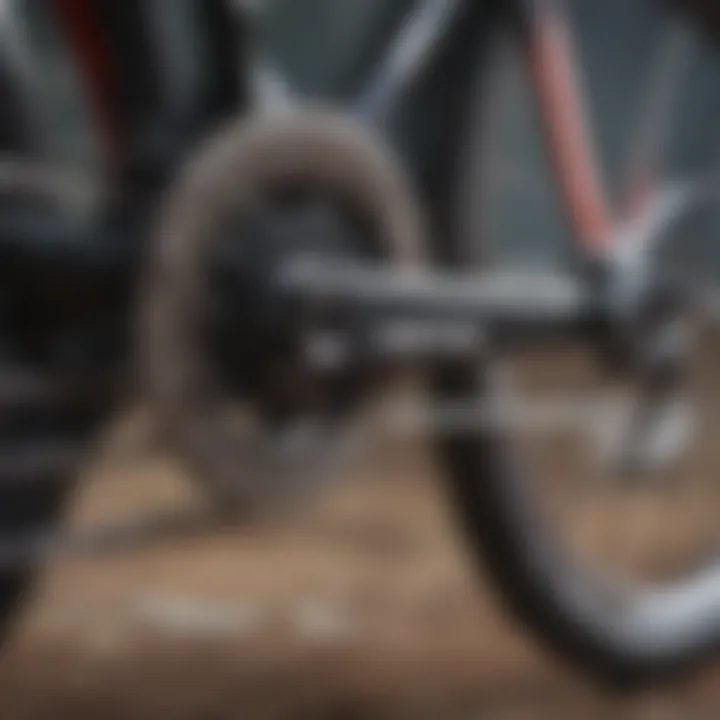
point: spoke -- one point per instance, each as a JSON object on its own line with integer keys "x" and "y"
{"x": 657, "y": 106}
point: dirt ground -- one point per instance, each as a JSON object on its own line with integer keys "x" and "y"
{"x": 361, "y": 606}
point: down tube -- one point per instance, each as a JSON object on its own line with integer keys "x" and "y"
{"x": 547, "y": 41}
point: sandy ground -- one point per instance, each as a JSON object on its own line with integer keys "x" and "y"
{"x": 361, "y": 606}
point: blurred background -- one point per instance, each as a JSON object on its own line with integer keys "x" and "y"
{"x": 365, "y": 604}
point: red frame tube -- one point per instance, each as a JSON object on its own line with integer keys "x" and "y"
{"x": 551, "y": 62}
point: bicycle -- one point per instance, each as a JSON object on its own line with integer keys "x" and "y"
{"x": 318, "y": 202}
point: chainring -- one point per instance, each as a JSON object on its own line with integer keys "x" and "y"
{"x": 307, "y": 153}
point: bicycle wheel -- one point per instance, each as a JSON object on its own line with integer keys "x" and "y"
{"x": 41, "y": 446}
{"x": 40, "y": 439}
{"x": 609, "y": 569}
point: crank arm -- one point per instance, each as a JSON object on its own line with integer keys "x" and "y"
{"x": 417, "y": 314}
{"x": 531, "y": 297}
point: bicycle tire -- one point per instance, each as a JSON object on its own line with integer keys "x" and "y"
{"x": 628, "y": 641}
{"x": 30, "y": 502}
{"x": 34, "y": 488}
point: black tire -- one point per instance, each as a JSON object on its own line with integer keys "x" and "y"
{"x": 31, "y": 498}
{"x": 41, "y": 447}
{"x": 29, "y": 508}
{"x": 625, "y": 639}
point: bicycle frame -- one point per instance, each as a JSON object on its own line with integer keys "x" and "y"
{"x": 417, "y": 47}
{"x": 440, "y": 38}
{"x": 546, "y": 40}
